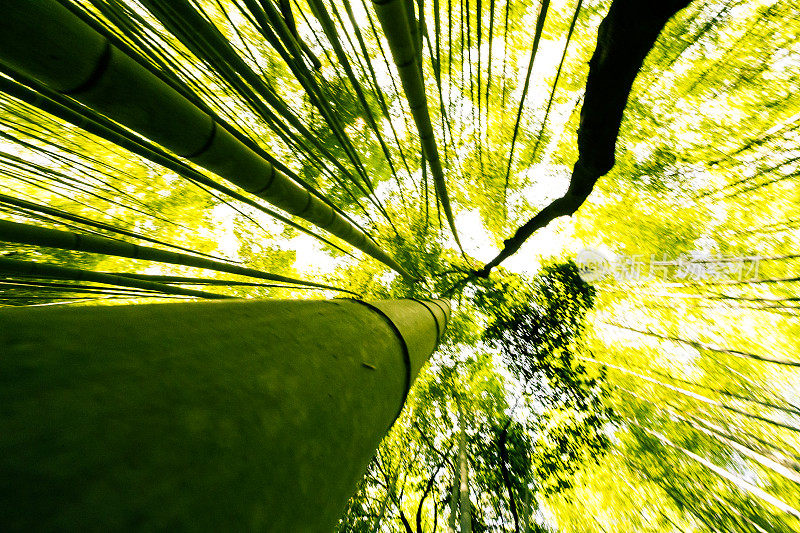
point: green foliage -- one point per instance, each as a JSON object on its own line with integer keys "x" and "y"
{"x": 707, "y": 150}
{"x": 539, "y": 331}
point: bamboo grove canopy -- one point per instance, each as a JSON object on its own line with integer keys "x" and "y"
{"x": 400, "y": 153}
{"x": 47, "y": 43}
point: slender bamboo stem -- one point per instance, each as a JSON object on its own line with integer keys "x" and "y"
{"x": 85, "y": 118}
{"x": 45, "y": 270}
{"x": 67, "y": 240}
{"x": 45, "y": 41}
{"x": 399, "y": 27}
{"x": 58, "y": 213}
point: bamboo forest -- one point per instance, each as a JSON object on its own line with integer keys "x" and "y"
{"x": 405, "y": 266}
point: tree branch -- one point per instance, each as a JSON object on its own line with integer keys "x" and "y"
{"x": 427, "y": 491}
{"x": 435, "y": 515}
{"x": 443, "y": 455}
{"x": 624, "y": 38}
{"x": 406, "y": 525}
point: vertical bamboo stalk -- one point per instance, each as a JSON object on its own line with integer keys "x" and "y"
{"x": 397, "y": 24}
{"x": 234, "y": 416}
{"x": 453, "y": 518}
{"x": 465, "y": 514}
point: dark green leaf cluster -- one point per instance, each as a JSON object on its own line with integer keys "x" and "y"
{"x": 537, "y": 328}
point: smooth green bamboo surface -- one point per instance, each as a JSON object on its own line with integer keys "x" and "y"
{"x": 206, "y": 416}
{"x": 43, "y": 40}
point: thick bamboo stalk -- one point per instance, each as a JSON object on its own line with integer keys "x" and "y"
{"x": 16, "y": 232}
{"x": 45, "y": 41}
{"x": 396, "y": 25}
{"x": 224, "y": 416}
{"x": 88, "y": 120}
